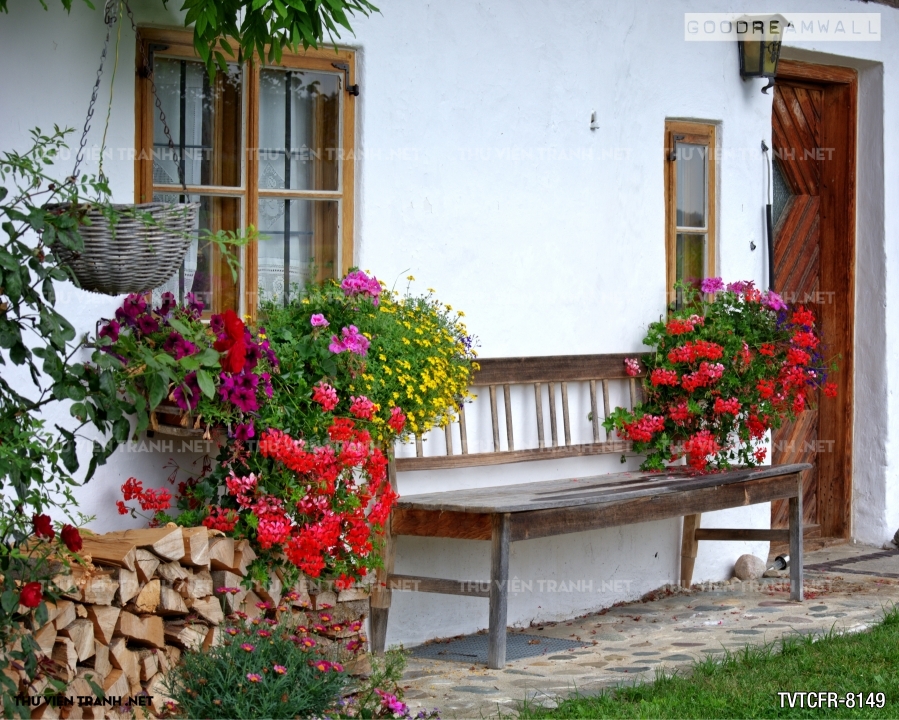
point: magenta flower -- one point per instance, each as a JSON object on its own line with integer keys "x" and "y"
{"x": 773, "y": 301}
{"x": 244, "y": 431}
{"x": 254, "y": 677}
{"x": 111, "y": 330}
{"x": 232, "y": 631}
{"x": 244, "y": 399}
{"x": 252, "y": 356}
{"x": 133, "y": 306}
{"x": 318, "y": 320}
{"x": 248, "y": 647}
{"x": 168, "y": 303}
{"x": 352, "y": 341}
{"x": 187, "y": 395}
{"x": 264, "y": 633}
{"x": 712, "y": 285}
{"x": 739, "y": 287}
{"x": 358, "y": 283}
{"x": 147, "y": 324}
{"x": 280, "y": 669}
{"x": 194, "y": 304}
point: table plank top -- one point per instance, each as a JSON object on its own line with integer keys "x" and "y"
{"x": 591, "y": 490}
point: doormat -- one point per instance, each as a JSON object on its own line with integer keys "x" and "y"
{"x": 838, "y": 566}
{"x": 473, "y": 648}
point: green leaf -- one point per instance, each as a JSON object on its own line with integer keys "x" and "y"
{"x": 207, "y": 384}
{"x": 41, "y": 615}
{"x": 179, "y": 326}
{"x": 9, "y": 601}
{"x": 158, "y": 389}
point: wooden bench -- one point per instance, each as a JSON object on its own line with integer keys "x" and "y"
{"x": 511, "y": 513}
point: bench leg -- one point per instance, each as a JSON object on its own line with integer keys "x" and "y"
{"x": 499, "y": 591}
{"x": 796, "y": 544}
{"x": 380, "y": 598}
{"x": 689, "y": 547}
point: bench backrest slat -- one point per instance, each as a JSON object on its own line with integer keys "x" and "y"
{"x": 538, "y": 372}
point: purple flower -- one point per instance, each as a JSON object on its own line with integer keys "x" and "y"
{"x": 774, "y": 301}
{"x": 178, "y": 347}
{"x": 246, "y": 381}
{"x": 269, "y": 353}
{"x": 111, "y": 330}
{"x": 318, "y": 320}
{"x": 168, "y": 304}
{"x": 216, "y": 324}
{"x": 252, "y": 356}
{"x": 187, "y": 394}
{"x": 226, "y": 386}
{"x": 195, "y": 305}
{"x": 147, "y": 324}
{"x": 244, "y": 431}
{"x": 712, "y": 285}
{"x": 267, "y": 380}
{"x": 133, "y": 306}
{"x": 244, "y": 399}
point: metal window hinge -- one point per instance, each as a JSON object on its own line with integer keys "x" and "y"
{"x": 146, "y": 70}
{"x": 351, "y": 89}
{"x": 672, "y": 156}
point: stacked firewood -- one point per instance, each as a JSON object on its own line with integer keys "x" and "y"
{"x": 145, "y": 596}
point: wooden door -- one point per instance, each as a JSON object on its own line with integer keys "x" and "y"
{"x": 813, "y": 133}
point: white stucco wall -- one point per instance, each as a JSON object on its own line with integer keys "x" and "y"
{"x": 478, "y": 174}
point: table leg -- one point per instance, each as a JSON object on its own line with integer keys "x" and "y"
{"x": 689, "y": 547}
{"x": 796, "y": 543}
{"x": 499, "y": 590}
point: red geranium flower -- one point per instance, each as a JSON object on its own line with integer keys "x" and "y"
{"x": 43, "y": 527}
{"x": 31, "y": 595}
{"x": 232, "y": 343}
{"x": 72, "y": 538}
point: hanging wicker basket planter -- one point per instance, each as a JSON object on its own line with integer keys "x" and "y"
{"x": 133, "y": 249}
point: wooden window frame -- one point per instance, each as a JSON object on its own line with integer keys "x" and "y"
{"x": 701, "y": 134}
{"x": 180, "y": 44}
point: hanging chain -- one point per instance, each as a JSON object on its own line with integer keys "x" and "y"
{"x": 148, "y": 66}
{"x": 109, "y": 18}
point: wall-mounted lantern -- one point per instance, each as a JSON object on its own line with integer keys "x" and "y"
{"x": 758, "y": 39}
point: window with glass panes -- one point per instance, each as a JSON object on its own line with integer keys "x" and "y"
{"x": 689, "y": 203}
{"x": 262, "y": 146}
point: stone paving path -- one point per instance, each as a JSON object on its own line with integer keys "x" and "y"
{"x": 634, "y": 641}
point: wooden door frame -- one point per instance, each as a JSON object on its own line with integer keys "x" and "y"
{"x": 838, "y": 125}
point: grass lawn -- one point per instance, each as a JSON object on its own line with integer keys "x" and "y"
{"x": 746, "y": 684}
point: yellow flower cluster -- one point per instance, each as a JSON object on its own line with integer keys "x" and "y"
{"x": 421, "y": 362}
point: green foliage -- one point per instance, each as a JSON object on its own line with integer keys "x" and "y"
{"x": 252, "y": 675}
{"x": 241, "y": 28}
{"x": 265, "y": 27}
{"x": 38, "y": 462}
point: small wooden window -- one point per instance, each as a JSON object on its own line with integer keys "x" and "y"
{"x": 689, "y": 203}
{"x": 267, "y": 146}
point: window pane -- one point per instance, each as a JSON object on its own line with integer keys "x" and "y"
{"x": 204, "y": 272}
{"x": 691, "y": 184}
{"x": 297, "y": 236}
{"x": 299, "y": 130}
{"x": 204, "y": 120}
{"x": 691, "y": 258}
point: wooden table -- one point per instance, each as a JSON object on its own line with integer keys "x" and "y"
{"x": 511, "y": 513}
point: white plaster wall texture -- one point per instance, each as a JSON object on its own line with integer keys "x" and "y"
{"x": 479, "y": 175}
